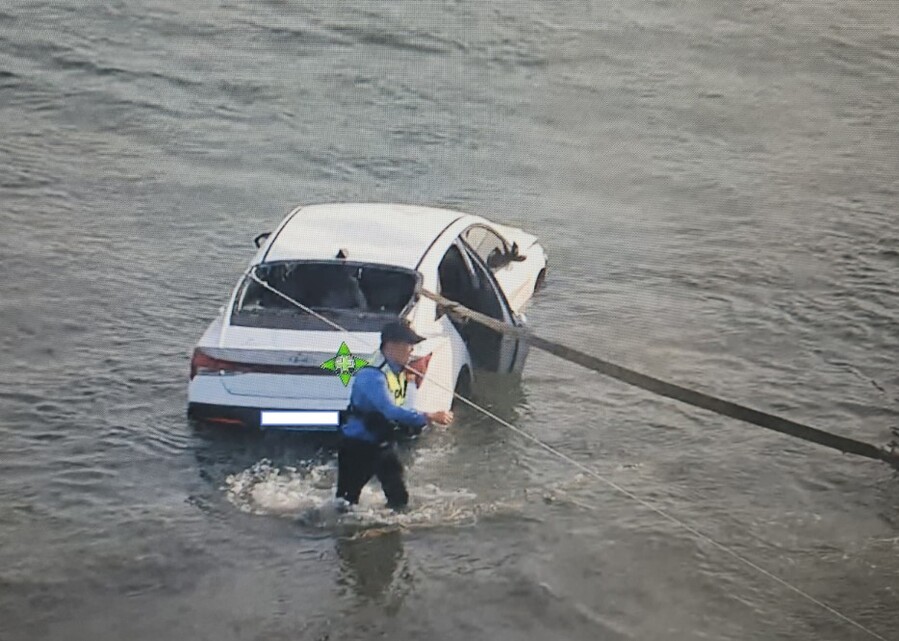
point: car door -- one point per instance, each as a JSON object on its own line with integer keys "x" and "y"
{"x": 491, "y": 350}
{"x": 496, "y": 253}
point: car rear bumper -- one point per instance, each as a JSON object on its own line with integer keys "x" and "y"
{"x": 265, "y": 418}
{"x": 269, "y": 402}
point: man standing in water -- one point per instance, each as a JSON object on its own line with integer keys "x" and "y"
{"x": 371, "y": 421}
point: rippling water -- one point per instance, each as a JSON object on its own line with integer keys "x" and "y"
{"x": 715, "y": 183}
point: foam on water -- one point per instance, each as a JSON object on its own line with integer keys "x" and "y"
{"x": 306, "y": 494}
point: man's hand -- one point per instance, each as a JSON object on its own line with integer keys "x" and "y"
{"x": 440, "y": 418}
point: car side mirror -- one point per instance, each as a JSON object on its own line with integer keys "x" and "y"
{"x": 261, "y": 238}
{"x": 496, "y": 260}
{"x": 514, "y": 256}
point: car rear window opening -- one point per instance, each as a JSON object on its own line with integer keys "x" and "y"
{"x": 357, "y": 296}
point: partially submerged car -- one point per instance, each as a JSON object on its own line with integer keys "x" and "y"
{"x": 260, "y": 362}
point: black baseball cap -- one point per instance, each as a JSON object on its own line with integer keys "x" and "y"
{"x": 399, "y": 332}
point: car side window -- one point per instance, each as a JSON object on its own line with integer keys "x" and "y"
{"x": 456, "y": 281}
{"x": 474, "y": 236}
{"x": 486, "y": 244}
{"x": 487, "y": 300}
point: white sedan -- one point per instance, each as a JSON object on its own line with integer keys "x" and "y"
{"x": 266, "y": 362}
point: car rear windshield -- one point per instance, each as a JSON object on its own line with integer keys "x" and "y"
{"x": 357, "y": 296}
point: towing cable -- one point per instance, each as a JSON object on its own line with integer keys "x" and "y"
{"x": 887, "y": 454}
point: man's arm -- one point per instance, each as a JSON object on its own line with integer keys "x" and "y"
{"x": 374, "y": 388}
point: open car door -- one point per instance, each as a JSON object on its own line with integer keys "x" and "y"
{"x": 491, "y": 350}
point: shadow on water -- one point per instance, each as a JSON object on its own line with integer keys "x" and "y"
{"x": 503, "y": 395}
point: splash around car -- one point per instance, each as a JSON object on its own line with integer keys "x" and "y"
{"x": 266, "y": 362}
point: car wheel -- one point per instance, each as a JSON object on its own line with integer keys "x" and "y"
{"x": 541, "y": 280}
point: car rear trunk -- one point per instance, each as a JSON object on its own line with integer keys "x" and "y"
{"x": 317, "y": 388}
{"x": 288, "y": 363}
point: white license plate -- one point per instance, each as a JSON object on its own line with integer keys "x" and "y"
{"x": 282, "y": 418}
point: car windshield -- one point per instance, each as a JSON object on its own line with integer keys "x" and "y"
{"x": 356, "y": 296}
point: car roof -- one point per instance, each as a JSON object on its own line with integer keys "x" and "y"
{"x": 385, "y": 233}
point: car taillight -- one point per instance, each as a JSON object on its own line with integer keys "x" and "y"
{"x": 420, "y": 365}
{"x": 202, "y": 363}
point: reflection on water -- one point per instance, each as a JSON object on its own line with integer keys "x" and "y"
{"x": 373, "y": 566}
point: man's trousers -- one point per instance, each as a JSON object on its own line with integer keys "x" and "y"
{"x": 358, "y": 461}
